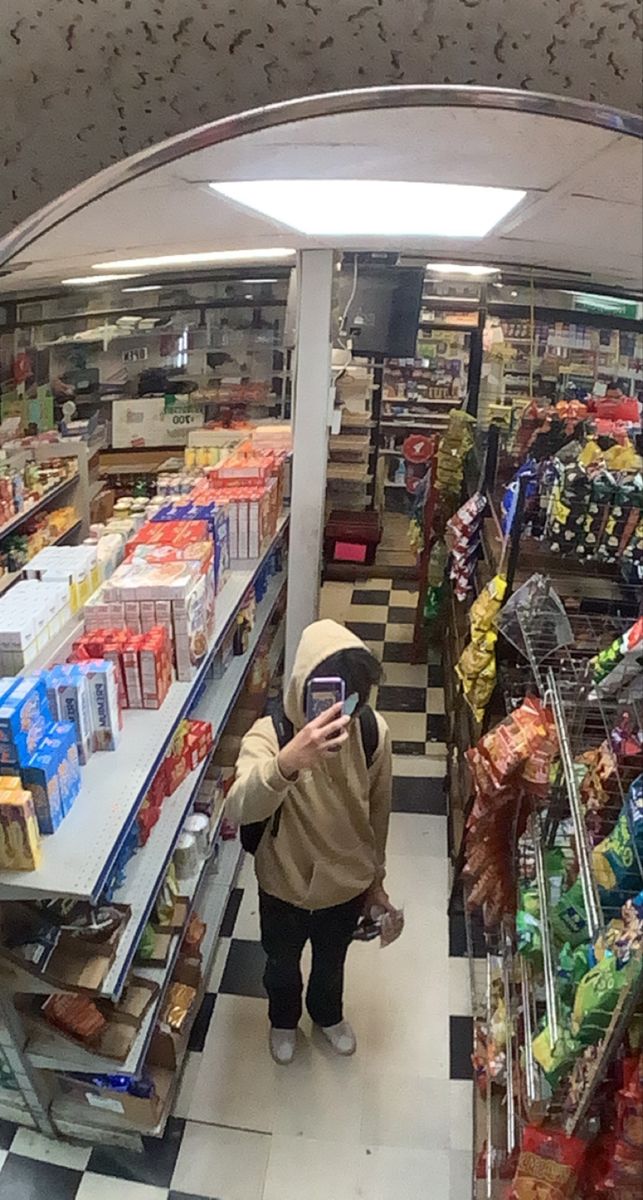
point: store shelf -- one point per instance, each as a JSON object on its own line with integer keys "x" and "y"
{"x": 78, "y": 859}
{"x": 450, "y": 400}
{"x": 147, "y": 869}
{"x": 74, "y": 1119}
{"x": 6, "y": 581}
{"x": 21, "y": 517}
{"x": 50, "y": 1052}
{"x": 398, "y": 423}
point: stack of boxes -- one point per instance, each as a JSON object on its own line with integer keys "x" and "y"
{"x": 212, "y": 522}
{"x": 140, "y": 668}
{"x": 76, "y": 566}
{"x": 249, "y": 485}
{"x": 190, "y": 745}
{"x": 40, "y": 752}
{"x": 31, "y": 613}
{"x": 85, "y": 694}
{"x": 167, "y": 580}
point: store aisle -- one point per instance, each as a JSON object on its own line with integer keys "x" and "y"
{"x": 393, "y": 1123}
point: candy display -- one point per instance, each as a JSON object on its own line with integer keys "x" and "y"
{"x": 583, "y": 499}
{"x": 463, "y": 542}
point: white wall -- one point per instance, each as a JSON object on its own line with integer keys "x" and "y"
{"x": 84, "y": 83}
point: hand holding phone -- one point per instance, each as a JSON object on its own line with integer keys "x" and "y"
{"x": 320, "y": 737}
{"x": 321, "y": 693}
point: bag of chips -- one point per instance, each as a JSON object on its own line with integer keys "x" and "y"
{"x": 615, "y": 860}
{"x": 568, "y": 918}
{"x": 596, "y": 998}
{"x": 548, "y": 1167}
{"x": 555, "y": 1060}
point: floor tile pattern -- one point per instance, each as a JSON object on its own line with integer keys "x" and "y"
{"x": 394, "y": 1122}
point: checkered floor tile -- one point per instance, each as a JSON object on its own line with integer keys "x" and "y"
{"x": 247, "y": 1130}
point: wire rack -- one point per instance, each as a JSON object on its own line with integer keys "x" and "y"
{"x": 599, "y": 758}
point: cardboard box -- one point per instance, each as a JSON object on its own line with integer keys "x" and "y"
{"x": 178, "y": 918}
{"x": 114, "y": 1042}
{"x": 138, "y": 995}
{"x": 74, "y": 965}
{"x": 160, "y": 951}
{"x": 133, "y": 1111}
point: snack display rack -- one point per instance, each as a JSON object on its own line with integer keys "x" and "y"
{"x": 559, "y": 671}
{"x": 80, "y": 858}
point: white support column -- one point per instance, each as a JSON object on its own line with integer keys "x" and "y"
{"x": 310, "y": 442}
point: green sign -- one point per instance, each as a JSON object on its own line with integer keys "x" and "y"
{"x": 612, "y": 305}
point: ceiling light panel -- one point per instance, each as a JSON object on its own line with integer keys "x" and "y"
{"x": 474, "y": 269}
{"x": 89, "y": 280}
{"x": 375, "y": 208}
{"x": 187, "y": 260}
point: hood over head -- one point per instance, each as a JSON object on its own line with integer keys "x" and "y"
{"x": 318, "y": 641}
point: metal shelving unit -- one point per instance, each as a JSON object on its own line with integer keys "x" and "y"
{"x": 85, "y": 859}
{"x": 78, "y": 860}
{"x": 147, "y": 869}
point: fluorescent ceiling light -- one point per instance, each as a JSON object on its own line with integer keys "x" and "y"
{"x": 375, "y": 207}
{"x": 260, "y": 281}
{"x": 145, "y": 287}
{"x": 86, "y": 280}
{"x": 461, "y": 269}
{"x": 457, "y": 299}
{"x": 185, "y": 260}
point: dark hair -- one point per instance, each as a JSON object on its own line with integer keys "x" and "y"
{"x": 358, "y": 668}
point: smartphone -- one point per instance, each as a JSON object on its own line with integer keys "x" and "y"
{"x": 322, "y": 693}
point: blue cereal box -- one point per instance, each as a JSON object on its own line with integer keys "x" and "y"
{"x": 25, "y": 704}
{"x": 61, "y": 738}
{"x": 40, "y": 777}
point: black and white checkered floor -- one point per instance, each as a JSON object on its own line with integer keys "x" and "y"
{"x": 393, "y": 1123}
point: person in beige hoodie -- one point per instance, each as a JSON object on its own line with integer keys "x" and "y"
{"x": 321, "y": 859}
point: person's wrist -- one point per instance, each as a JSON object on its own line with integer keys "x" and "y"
{"x": 285, "y": 763}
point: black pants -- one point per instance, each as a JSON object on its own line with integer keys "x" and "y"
{"x": 285, "y": 930}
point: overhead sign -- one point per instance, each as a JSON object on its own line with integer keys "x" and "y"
{"x": 614, "y": 306}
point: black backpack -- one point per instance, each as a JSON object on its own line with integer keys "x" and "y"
{"x": 252, "y": 834}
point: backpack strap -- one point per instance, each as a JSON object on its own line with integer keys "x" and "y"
{"x": 284, "y": 730}
{"x": 370, "y": 733}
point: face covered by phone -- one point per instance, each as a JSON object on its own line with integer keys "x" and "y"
{"x": 322, "y": 691}
{"x": 347, "y": 676}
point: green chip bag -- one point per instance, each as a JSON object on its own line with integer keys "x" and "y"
{"x": 557, "y": 1060}
{"x": 569, "y": 920}
{"x": 596, "y": 998}
{"x": 147, "y": 943}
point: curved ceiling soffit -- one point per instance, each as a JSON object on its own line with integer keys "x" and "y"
{"x": 307, "y": 108}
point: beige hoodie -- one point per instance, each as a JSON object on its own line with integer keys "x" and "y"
{"x": 332, "y": 833}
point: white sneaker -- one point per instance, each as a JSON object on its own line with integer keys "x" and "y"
{"x": 282, "y": 1045}
{"x": 341, "y": 1038}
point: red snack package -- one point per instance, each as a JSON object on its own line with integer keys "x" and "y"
{"x": 77, "y": 1016}
{"x": 548, "y": 1167}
